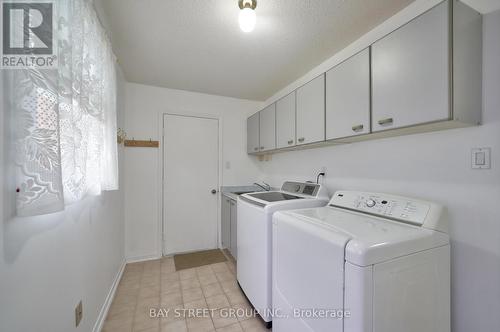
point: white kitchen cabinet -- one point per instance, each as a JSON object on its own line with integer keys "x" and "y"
{"x": 253, "y": 144}
{"x": 411, "y": 71}
{"x": 268, "y": 128}
{"x": 285, "y": 121}
{"x": 348, "y": 97}
{"x": 233, "y": 248}
{"x": 229, "y": 225}
{"x": 311, "y": 111}
{"x": 226, "y": 222}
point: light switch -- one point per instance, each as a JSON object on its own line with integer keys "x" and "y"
{"x": 481, "y": 158}
{"x": 228, "y": 165}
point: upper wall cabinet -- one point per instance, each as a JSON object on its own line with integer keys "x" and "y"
{"x": 410, "y": 72}
{"x": 285, "y": 121}
{"x": 424, "y": 76}
{"x": 348, "y": 97}
{"x": 268, "y": 128}
{"x": 253, "y": 144}
{"x": 311, "y": 111}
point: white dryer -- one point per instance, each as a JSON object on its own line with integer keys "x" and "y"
{"x": 367, "y": 262}
{"x": 254, "y": 233}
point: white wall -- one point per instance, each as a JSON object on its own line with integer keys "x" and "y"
{"x": 49, "y": 263}
{"x": 144, "y": 107}
{"x": 434, "y": 166}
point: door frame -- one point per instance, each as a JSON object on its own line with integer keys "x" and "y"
{"x": 161, "y": 164}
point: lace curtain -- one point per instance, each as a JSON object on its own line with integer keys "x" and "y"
{"x": 64, "y": 119}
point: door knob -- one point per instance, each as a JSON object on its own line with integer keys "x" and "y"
{"x": 214, "y": 191}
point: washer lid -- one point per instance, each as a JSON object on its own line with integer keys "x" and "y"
{"x": 372, "y": 239}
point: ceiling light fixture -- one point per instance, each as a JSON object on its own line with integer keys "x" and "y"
{"x": 247, "y": 14}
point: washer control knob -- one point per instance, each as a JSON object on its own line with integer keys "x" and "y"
{"x": 370, "y": 203}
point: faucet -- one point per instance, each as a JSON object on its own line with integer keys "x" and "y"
{"x": 266, "y": 186}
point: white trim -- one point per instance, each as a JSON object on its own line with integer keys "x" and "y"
{"x": 144, "y": 258}
{"x": 109, "y": 299}
{"x": 160, "y": 245}
{"x": 161, "y": 249}
{"x": 188, "y": 252}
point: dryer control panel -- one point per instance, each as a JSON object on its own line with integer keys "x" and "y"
{"x": 393, "y": 207}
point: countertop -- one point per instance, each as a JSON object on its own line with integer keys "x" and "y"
{"x": 230, "y": 195}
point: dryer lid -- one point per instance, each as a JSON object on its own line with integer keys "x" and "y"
{"x": 372, "y": 239}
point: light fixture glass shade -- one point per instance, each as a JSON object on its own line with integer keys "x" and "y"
{"x": 247, "y": 19}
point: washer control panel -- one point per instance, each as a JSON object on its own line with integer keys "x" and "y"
{"x": 383, "y": 205}
{"x": 308, "y": 189}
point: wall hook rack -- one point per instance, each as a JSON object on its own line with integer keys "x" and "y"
{"x": 142, "y": 143}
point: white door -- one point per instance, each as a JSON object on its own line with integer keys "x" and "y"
{"x": 268, "y": 128}
{"x": 348, "y": 97}
{"x": 190, "y": 174}
{"x": 311, "y": 111}
{"x": 285, "y": 121}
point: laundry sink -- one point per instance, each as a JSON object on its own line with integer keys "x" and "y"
{"x": 243, "y": 192}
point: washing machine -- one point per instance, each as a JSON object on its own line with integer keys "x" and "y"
{"x": 254, "y": 235}
{"x": 367, "y": 262}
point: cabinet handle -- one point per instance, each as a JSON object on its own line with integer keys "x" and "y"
{"x": 301, "y": 139}
{"x": 256, "y": 149}
{"x": 290, "y": 142}
{"x": 388, "y": 121}
{"x": 357, "y": 128}
{"x": 262, "y": 148}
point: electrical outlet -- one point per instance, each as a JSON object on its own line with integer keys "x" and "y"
{"x": 323, "y": 170}
{"x": 78, "y": 313}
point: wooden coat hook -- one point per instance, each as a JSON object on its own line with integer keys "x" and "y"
{"x": 141, "y": 143}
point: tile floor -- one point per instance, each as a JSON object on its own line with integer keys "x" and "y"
{"x": 210, "y": 291}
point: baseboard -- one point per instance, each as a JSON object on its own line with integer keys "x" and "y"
{"x": 109, "y": 299}
{"x": 144, "y": 258}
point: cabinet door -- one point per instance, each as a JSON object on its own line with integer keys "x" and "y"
{"x": 410, "y": 72}
{"x": 268, "y": 128}
{"x": 311, "y": 111}
{"x": 348, "y": 97}
{"x": 253, "y": 133}
{"x": 234, "y": 227}
{"x": 285, "y": 121}
{"x": 226, "y": 222}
